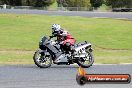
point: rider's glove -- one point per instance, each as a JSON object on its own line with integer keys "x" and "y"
{"x": 51, "y": 36}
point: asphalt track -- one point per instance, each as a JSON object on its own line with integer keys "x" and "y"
{"x": 30, "y": 76}
{"x": 118, "y": 15}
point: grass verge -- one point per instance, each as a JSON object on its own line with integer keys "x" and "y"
{"x": 111, "y": 38}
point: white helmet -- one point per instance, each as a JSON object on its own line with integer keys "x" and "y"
{"x": 56, "y": 27}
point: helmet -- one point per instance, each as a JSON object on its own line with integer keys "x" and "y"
{"x": 56, "y": 27}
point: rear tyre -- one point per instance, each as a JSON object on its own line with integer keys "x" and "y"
{"x": 42, "y": 60}
{"x": 86, "y": 62}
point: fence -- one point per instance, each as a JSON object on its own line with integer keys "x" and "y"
{"x": 65, "y": 8}
{"x": 47, "y": 8}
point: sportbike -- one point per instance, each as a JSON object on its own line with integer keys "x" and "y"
{"x": 50, "y": 51}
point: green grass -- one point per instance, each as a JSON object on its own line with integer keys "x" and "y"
{"x": 22, "y": 32}
{"x": 113, "y": 56}
{"x": 16, "y": 57}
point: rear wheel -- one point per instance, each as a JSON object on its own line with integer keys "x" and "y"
{"x": 42, "y": 60}
{"x": 87, "y": 61}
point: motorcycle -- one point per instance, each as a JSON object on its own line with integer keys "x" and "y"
{"x": 50, "y": 51}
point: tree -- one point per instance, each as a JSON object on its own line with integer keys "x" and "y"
{"x": 75, "y": 3}
{"x": 61, "y": 3}
{"x": 37, "y": 3}
{"x": 127, "y": 3}
{"x": 119, "y": 3}
{"x": 44, "y": 3}
{"x": 11, "y": 2}
{"x": 96, "y": 3}
{"x": 1, "y": 2}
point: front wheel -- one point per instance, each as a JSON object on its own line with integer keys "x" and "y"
{"x": 87, "y": 61}
{"x": 42, "y": 60}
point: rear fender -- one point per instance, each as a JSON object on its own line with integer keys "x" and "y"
{"x": 82, "y": 47}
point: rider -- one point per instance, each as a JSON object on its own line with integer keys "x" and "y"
{"x": 63, "y": 37}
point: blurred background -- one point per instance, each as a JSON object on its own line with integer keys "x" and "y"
{"x": 69, "y": 5}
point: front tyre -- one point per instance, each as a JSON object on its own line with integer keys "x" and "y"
{"x": 87, "y": 61}
{"x": 42, "y": 60}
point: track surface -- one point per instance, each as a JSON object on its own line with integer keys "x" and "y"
{"x": 120, "y": 15}
{"x": 30, "y": 76}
